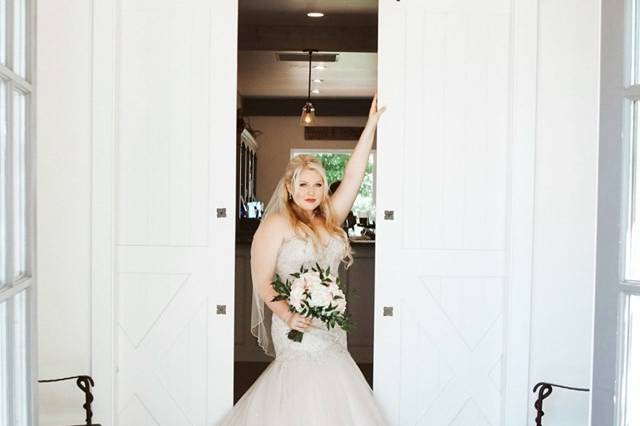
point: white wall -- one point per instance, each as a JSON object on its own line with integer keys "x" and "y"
{"x": 63, "y": 204}
{"x": 565, "y": 205}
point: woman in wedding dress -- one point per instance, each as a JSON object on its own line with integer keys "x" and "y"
{"x": 314, "y": 382}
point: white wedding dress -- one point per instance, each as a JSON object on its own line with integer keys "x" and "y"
{"x": 314, "y": 382}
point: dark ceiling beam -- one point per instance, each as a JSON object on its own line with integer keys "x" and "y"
{"x": 280, "y": 107}
{"x": 298, "y": 37}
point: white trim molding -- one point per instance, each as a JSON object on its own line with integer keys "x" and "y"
{"x": 104, "y": 141}
{"x": 524, "y": 58}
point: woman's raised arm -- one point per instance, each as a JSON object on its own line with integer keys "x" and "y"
{"x": 342, "y": 200}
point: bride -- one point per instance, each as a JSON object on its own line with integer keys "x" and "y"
{"x": 314, "y": 382}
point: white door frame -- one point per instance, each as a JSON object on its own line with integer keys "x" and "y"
{"x": 523, "y": 64}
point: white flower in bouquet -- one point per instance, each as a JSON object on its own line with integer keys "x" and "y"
{"x": 297, "y": 294}
{"x": 334, "y": 289}
{"x": 311, "y": 279}
{"x": 337, "y": 297}
{"x": 320, "y": 296}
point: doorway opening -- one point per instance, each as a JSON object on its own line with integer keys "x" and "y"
{"x": 273, "y": 82}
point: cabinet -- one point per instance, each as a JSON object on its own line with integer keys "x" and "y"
{"x": 246, "y": 167}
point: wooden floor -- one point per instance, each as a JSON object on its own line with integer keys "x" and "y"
{"x": 245, "y": 373}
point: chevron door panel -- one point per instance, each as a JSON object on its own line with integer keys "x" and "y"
{"x": 174, "y": 254}
{"x": 443, "y": 170}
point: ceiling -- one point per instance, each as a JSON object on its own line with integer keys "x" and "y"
{"x": 303, "y": 6}
{"x": 261, "y": 74}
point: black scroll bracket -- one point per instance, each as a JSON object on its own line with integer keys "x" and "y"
{"x": 544, "y": 389}
{"x": 85, "y": 383}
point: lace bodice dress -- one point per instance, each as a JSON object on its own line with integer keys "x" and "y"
{"x": 318, "y": 342}
{"x": 314, "y": 382}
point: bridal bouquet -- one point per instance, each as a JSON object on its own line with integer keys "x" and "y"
{"x": 316, "y": 294}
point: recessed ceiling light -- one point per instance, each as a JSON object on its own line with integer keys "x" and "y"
{"x": 319, "y": 67}
{"x": 315, "y": 91}
{"x": 315, "y": 14}
{"x": 317, "y": 80}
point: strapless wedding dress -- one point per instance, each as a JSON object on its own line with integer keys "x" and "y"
{"x": 315, "y": 382}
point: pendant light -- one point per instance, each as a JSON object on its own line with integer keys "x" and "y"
{"x": 308, "y": 111}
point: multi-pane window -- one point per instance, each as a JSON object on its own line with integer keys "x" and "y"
{"x": 629, "y": 409}
{"x": 632, "y": 193}
{"x": 628, "y": 284}
{"x": 632, "y": 258}
{"x": 16, "y": 213}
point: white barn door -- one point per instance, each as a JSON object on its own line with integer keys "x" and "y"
{"x": 443, "y": 245}
{"x": 173, "y": 170}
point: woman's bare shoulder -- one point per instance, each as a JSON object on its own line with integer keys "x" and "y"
{"x": 275, "y": 226}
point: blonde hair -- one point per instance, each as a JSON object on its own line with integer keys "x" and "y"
{"x": 302, "y": 226}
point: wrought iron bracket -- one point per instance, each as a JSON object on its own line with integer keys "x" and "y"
{"x": 544, "y": 389}
{"x": 85, "y": 383}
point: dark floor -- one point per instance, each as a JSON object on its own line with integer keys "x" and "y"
{"x": 245, "y": 373}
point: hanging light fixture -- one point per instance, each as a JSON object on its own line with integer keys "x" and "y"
{"x": 308, "y": 111}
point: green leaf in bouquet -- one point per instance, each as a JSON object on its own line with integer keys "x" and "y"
{"x": 345, "y": 322}
{"x": 279, "y": 298}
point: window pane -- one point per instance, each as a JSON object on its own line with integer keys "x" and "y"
{"x": 19, "y": 185}
{"x": 3, "y": 33}
{"x": 632, "y": 270}
{"x": 4, "y": 364}
{"x": 3, "y": 183}
{"x": 634, "y": 39}
{"x": 630, "y": 409}
{"x": 21, "y": 360}
{"x": 20, "y": 37}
